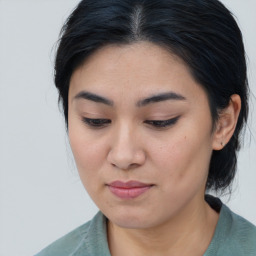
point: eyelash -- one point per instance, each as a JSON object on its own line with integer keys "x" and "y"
{"x": 97, "y": 123}
{"x": 162, "y": 123}
{"x": 101, "y": 123}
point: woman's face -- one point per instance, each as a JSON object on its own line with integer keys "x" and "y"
{"x": 140, "y": 130}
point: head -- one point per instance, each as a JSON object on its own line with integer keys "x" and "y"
{"x": 198, "y": 39}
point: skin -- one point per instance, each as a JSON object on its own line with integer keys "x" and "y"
{"x": 173, "y": 159}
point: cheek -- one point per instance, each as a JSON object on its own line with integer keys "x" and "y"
{"x": 88, "y": 153}
{"x": 89, "y": 159}
{"x": 170, "y": 154}
{"x": 183, "y": 161}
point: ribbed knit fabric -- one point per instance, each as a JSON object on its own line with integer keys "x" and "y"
{"x": 234, "y": 236}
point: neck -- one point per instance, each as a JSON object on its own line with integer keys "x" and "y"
{"x": 193, "y": 227}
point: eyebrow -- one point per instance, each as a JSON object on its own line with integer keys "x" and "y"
{"x": 141, "y": 103}
{"x": 160, "y": 97}
{"x": 94, "y": 97}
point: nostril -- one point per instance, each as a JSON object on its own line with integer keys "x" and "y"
{"x": 134, "y": 165}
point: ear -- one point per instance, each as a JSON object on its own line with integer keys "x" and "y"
{"x": 226, "y": 123}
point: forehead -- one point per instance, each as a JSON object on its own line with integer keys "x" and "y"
{"x": 138, "y": 69}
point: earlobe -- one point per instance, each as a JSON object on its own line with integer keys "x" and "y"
{"x": 226, "y": 123}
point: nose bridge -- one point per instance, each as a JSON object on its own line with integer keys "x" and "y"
{"x": 124, "y": 139}
{"x": 124, "y": 132}
{"x": 125, "y": 150}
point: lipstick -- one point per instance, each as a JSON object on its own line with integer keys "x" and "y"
{"x": 128, "y": 190}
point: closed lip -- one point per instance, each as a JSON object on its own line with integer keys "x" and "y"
{"x": 129, "y": 184}
{"x": 128, "y": 190}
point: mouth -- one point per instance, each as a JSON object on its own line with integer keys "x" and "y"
{"x": 128, "y": 190}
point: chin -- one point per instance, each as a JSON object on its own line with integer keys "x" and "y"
{"x": 131, "y": 223}
{"x": 132, "y": 219}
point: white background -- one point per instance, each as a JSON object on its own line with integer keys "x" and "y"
{"x": 41, "y": 197}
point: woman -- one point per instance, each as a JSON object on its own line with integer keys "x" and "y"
{"x": 154, "y": 95}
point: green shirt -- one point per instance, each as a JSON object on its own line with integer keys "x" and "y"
{"x": 234, "y": 236}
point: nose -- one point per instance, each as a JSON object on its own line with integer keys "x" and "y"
{"x": 126, "y": 151}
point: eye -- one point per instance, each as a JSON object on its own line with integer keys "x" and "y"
{"x": 98, "y": 123}
{"x": 162, "y": 123}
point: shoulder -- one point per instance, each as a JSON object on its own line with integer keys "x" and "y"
{"x": 240, "y": 234}
{"x": 82, "y": 239}
{"x": 243, "y": 231}
{"x": 68, "y": 243}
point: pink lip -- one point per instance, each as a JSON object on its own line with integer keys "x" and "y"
{"x": 128, "y": 190}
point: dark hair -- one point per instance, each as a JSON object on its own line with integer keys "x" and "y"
{"x": 203, "y": 33}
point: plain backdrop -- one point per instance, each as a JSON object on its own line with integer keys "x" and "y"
{"x": 41, "y": 197}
